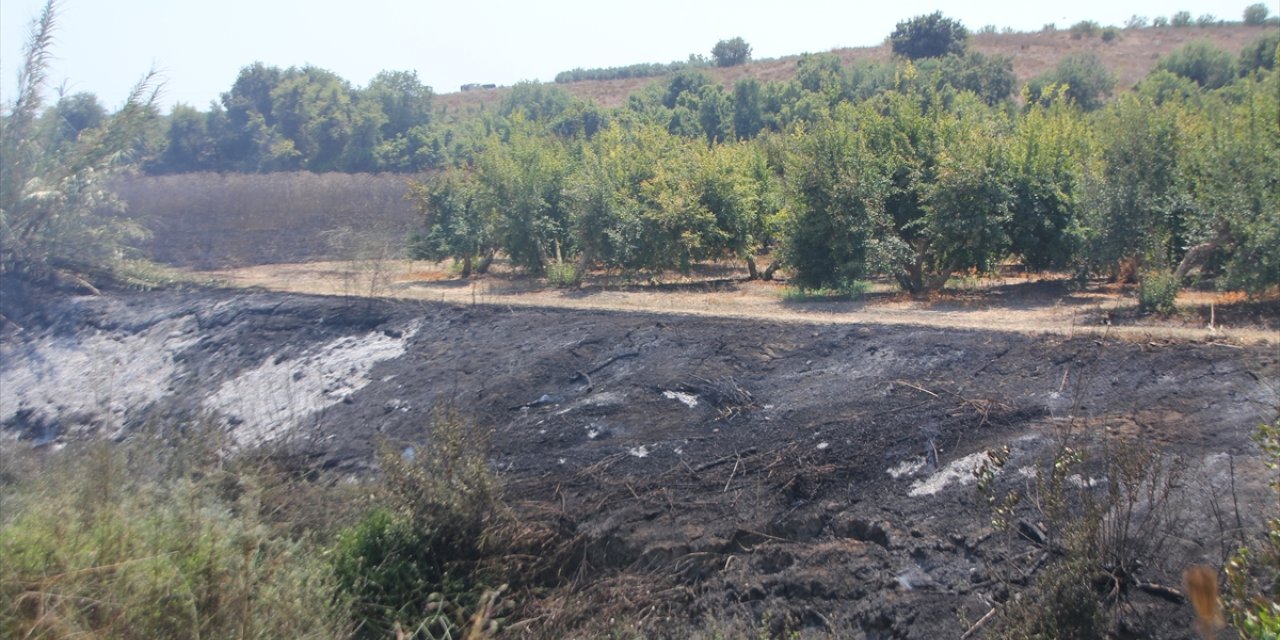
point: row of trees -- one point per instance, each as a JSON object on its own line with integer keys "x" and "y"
{"x": 917, "y": 182}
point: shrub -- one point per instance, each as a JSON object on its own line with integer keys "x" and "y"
{"x": 414, "y": 562}
{"x": 1085, "y": 29}
{"x": 1181, "y": 19}
{"x": 1157, "y": 291}
{"x": 1207, "y": 20}
{"x": 1202, "y": 62}
{"x": 563, "y": 275}
{"x": 1100, "y": 538}
{"x": 1110, "y": 34}
{"x": 1160, "y": 22}
{"x": 1260, "y": 53}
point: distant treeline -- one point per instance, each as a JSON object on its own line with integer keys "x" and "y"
{"x": 642, "y": 70}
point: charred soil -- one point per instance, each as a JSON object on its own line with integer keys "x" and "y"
{"x": 698, "y": 472}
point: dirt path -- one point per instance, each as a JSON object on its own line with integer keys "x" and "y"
{"x": 1009, "y": 304}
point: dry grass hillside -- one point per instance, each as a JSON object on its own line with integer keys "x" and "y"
{"x": 1131, "y": 56}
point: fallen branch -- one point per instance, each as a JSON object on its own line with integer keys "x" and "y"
{"x": 980, "y": 623}
{"x": 1161, "y": 591}
{"x": 613, "y": 359}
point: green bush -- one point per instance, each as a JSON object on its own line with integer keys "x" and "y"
{"x": 106, "y": 543}
{"x": 563, "y": 275}
{"x": 1085, "y": 29}
{"x": 1157, "y": 292}
{"x": 414, "y": 563}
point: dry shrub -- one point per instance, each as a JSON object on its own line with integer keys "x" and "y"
{"x": 1103, "y": 536}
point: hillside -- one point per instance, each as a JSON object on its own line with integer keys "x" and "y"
{"x": 1130, "y": 57}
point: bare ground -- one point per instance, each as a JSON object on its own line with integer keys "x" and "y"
{"x": 807, "y": 473}
{"x": 1033, "y": 304}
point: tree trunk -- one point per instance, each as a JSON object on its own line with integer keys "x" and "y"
{"x": 1196, "y": 255}
{"x": 485, "y": 261}
{"x": 466, "y": 267}
{"x": 769, "y": 271}
{"x": 752, "y": 272}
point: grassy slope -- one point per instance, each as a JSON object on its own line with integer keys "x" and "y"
{"x": 1131, "y": 57}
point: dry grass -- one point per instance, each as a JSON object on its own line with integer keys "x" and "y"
{"x": 1007, "y": 304}
{"x": 1131, "y": 57}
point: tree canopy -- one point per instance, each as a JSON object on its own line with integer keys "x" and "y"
{"x": 929, "y": 36}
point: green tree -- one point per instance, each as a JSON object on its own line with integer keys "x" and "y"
{"x": 523, "y": 179}
{"x": 247, "y": 140}
{"x": 929, "y": 36}
{"x": 950, "y": 186}
{"x": 838, "y": 188}
{"x": 51, "y": 196}
{"x": 1135, "y": 210}
{"x": 1201, "y": 62}
{"x": 455, "y": 220}
{"x": 190, "y": 146}
{"x": 403, "y": 100}
{"x": 1229, "y": 160}
{"x": 314, "y": 111}
{"x": 748, "y": 116}
{"x": 1049, "y": 153}
{"x": 1181, "y": 19}
{"x": 731, "y": 53}
{"x": 1256, "y": 14}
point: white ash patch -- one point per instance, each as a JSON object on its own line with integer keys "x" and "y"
{"x": 100, "y": 374}
{"x": 687, "y": 399}
{"x": 269, "y": 401}
{"x": 959, "y": 471}
{"x": 639, "y": 452}
{"x": 907, "y": 468}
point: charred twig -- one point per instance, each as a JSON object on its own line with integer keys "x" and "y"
{"x": 724, "y": 460}
{"x": 1160, "y": 591}
{"x": 916, "y": 387}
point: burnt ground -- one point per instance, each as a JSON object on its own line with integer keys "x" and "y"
{"x": 796, "y": 477}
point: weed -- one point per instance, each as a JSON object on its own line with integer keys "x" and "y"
{"x": 563, "y": 275}
{"x": 1157, "y": 291}
{"x": 1252, "y": 599}
{"x": 94, "y": 545}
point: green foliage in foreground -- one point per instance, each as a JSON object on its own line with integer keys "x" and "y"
{"x": 152, "y": 539}
{"x": 92, "y": 545}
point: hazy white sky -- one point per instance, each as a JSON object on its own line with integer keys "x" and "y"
{"x": 104, "y": 46}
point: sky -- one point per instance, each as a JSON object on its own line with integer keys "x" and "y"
{"x": 105, "y": 46}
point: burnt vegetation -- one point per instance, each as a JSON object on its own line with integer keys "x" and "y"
{"x": 631, "y": 475}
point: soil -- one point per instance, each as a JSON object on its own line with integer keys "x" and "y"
{"x": 809, "y": 477}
